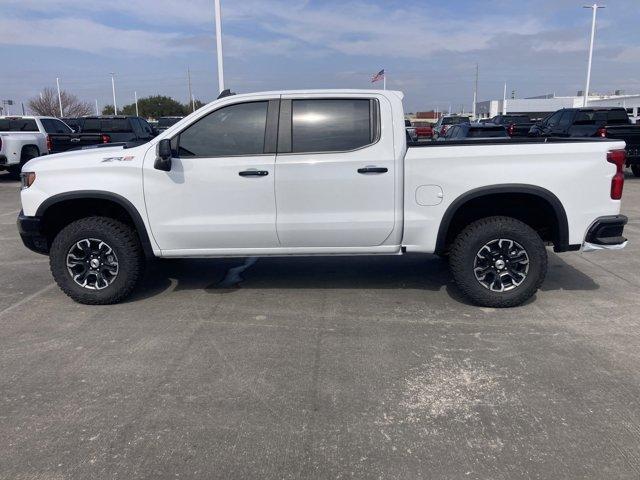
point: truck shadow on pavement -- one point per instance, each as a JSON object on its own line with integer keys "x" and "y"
{"x": 408, "y": 272}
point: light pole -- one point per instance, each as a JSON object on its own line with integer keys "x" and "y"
{"x": 135, "y": 96}
{"x": 594, "y": 8}
{"x": 219, "y": 44}
{"x": 59, "y": 97}
{"x": 113, "y": 89}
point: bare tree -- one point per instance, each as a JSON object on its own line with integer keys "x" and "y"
{"x": 47, "y": 104}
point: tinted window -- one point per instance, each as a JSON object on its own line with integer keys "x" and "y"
{"x": 617, "y": 116}
{"x": 454, "y": 120}
{"x": 54, "y": 126}
{"x": 553, "y": 119}
{"x": 515, "y": 119}
{"x": 91, "y": 125}
{"x": 167, "y": 122}
{"x": 566, "y": 118}
{"x": 145, "y": 126}
{"x": 18, "y": 125}
{"x": 330, "y": 125}
{"x": 233, "y": 130}
{"x": 116, "y": 125}
{"x": 486, "y": 132}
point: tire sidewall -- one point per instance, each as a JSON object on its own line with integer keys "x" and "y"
{"x": 127, "y": 269}
{"x": 475, "y": 239}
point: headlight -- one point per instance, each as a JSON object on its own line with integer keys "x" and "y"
{"x": 27, "y": 179}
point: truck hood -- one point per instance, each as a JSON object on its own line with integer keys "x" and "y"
{"x": 90, "y": 157}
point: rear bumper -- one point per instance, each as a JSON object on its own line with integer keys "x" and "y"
{"x": 606, "y": 234}
{"x": 30, "y": 229}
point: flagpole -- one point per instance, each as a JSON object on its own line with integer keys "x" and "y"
{"x": 384, "y": 80}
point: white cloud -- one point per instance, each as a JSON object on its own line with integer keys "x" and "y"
{"x": 89, "y": 36}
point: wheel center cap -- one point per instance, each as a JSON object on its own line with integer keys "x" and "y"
{"x": 95, "y": 263}
{"x": 500, "y": 264}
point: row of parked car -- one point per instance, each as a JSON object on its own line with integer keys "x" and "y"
{"x": 587, "y": 122}
{"x": 26, "y": 137}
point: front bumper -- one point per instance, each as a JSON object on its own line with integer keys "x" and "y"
{"x": 31, "y": 233}
{"x": 606, "y": 234}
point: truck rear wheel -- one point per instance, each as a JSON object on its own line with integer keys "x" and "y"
{"x": 498, "y": 262}
{"x": 636, "y": 170}
{"x": 96, "y": 260}
{"x": 27, "y": 154}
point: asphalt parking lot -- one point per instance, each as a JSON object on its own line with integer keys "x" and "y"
{"x": 320, "y": 368}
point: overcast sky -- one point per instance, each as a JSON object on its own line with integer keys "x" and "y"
{"x": 429, "y": 48}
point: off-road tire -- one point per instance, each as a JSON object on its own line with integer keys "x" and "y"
{"x": 125, "y": 244}
{"x": 469, "y": 242}
{"x": 27, "y": 154}
{"x": 636, "y": 170}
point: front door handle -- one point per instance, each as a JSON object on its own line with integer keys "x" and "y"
{"x": 253, "y": 173}
{"x": 373, "y": 170}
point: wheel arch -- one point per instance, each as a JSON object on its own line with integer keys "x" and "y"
{"x": 105, "y": 198}
{"x": 560, "y": 235}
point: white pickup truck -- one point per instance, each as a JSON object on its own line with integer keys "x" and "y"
{"x": 21, "y": 139}
{"x": 321, "y": 173}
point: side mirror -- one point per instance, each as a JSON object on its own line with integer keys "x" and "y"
{"x": 163, "y": 160}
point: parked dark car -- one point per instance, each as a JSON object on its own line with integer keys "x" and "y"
{"x": 475, "y": 131}
{"x": 121, "y": 129}
{"x": 604, "y": 122}
{"x": 444, "y": 123}
{"x": 166, "y": 122}
{"x": 516, "y": 125}
{"x": 61, "y": 137}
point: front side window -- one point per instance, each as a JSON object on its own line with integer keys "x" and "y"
{"x": 234, "y": 130}
{"x": 331, "y": 125}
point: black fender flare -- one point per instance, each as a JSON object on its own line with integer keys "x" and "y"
{"x": 561, "y": 244}
{"x": 133, "y": 212}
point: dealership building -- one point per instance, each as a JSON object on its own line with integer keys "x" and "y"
{"x": 541, "y": 106}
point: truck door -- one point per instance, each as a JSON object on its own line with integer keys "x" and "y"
{"x": 335, "y": 172}
{"x": 219, "y": 193}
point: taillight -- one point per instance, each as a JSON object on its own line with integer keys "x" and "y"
{"x": 618, "y": 158}
{"x": 105, "y": 138}
{"x": 601, "y": 132}
{"x": 510, "y": 129}
{"x": 49, "y": 144}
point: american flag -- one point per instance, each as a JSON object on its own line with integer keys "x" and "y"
{"x": 378, "y": 76}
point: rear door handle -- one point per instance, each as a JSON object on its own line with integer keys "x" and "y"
{"x": 253, "y": 173}
{"x": 373, "y": 170}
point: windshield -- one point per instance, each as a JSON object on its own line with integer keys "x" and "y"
{"x": 112, "y": 125}
{"x": 516, "y": 119}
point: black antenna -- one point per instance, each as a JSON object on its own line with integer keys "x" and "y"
{"x": 226, "y": 93}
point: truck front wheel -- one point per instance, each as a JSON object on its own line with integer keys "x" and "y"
{"x": 498, "y": 262}
{"x": 96, "y": 260}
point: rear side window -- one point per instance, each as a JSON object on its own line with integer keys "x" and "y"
{"x": 54, "y": 126}
{"x": 18, "y": 125}
{"x": 116, "y": 125}
{"x": 234, "y": 130}
{"x": 617, "y": 116}
{"x": 331, "y": 125}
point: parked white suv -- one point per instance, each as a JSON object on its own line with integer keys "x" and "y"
{"x": 320, "y": 173}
